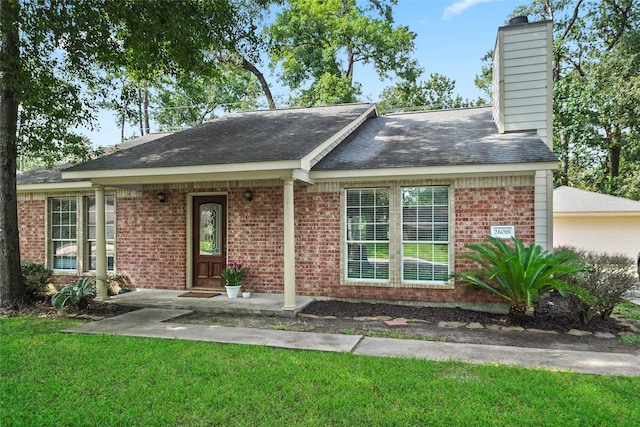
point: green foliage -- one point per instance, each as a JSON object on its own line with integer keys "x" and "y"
{"x": 596, "y": 92}
{"x": 435, "y": 94}
{"x": 630, "y": 339}
{"x": 606, "y": 279}
{"x": 233, "y": 273}
{"x": 36, "y": 277}
{"x": 317, "y": 43}
{"x": 628, "y": 310}
{"x": 79, "y": 294}
{"x": 519, "y": 274}
{"x": 192, "y": 99}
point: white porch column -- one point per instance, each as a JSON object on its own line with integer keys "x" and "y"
{"x": 101, "y": 247}
{"x": 289, "y": 247}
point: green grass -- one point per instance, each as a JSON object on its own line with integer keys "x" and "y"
{"x": 48, "y": 378}
{"x": 628, "y": 310}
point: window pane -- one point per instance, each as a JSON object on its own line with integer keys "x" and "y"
{"x": 91, "y": 228}
{"x": 62, "y": 233}
{"x": 367, "y": 233}
{"x": 425, "y": 233}
{"x": 425, "y": 262}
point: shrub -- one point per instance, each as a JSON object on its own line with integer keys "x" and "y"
{"x": 607, "y": 278}
{"x": 520, "y": 274}
{"x": 79, "y": 294}
{"x": 36, "y": 277}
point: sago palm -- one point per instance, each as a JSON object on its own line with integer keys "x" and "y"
{"x": 519, "y": 274}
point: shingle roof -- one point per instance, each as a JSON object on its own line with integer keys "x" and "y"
{"x": 42, "y": 175}
{"x": 434, "y": 138}
{"x": 45, "y": 175}
{"x": 568, "y": 199}
{"x": 254, "y": 136}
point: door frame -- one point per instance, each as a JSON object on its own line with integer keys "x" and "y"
{"x": 189, "y": 231}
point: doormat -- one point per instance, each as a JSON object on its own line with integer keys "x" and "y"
{"x": 199, "y": 295}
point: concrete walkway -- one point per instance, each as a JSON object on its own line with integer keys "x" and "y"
{"x": 155, "y": 323}
{"x": 258, "y": 304}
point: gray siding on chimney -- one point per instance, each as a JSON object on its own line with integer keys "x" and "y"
{"x": 523, "y": 81}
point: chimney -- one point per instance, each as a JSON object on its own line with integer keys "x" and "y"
{"x": 523, "y": 79}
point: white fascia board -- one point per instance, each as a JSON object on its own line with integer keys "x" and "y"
{"x": 137, "y": 173}
{"x": 326, "y": 147}
{"x": 54, "y": 186}
{"x": 597, "y": 215}
{"x": 431, "y": 171}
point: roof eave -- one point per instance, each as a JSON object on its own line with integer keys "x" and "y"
{"x": 603, "y": 214}
{"x": 183, "y": 173}
{"x": 54, "y": 186}
{"x": 431, "y": 171}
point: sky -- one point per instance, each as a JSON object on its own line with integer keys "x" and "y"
{"x": 452, "y": 37}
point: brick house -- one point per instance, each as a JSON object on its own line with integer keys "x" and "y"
{"x": 334, "y": 201}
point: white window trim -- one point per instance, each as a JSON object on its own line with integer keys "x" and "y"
{"x": 81, "y": 268}
{"x": 395, "y": 237}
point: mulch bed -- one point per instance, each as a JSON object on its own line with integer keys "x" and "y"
{"x": 552, "y": 313}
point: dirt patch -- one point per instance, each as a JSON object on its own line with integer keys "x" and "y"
{"x": 547, "y": 328}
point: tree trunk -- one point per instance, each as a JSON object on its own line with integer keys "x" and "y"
{"x": 615, "y": 152}
{"x": 145, "y": 105}
{"x": 564, "y": 160}
{"x": 122, "y": 123}
{"x": 12, "y": 290}
{"x": 140, "y": 119}
{"x": 263, "y": 82}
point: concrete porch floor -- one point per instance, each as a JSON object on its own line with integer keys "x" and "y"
{"x": 258, "y": 304}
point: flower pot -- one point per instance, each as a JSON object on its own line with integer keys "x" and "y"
{"x": 233, "y": 291}
{"x": 246, "y": 294}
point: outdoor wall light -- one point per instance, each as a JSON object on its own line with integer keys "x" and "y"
{"x": 248, "y": 195}
{"x": 161, "y": 197}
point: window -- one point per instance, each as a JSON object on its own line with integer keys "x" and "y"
{"x": 425, "y": 234}
{"x": 367, "y": 233}
{"x": 63, "y": 224}
{"x": 397, "y": 235}
{"x": 110, "y": 231}
{"x": 73, "y": 233}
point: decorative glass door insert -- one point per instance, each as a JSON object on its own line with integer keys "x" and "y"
{"x": 210, "y": 230}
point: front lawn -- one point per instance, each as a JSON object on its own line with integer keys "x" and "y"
{"x": 48, "y": 378}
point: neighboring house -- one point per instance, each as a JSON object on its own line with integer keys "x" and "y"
{"x": 330, "y": 201}
{"x": 596, "y": 222}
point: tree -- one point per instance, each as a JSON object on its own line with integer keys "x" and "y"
{"x": 596, "y": 96}
{"x": 318, "y": 44}
{"x": 53, "y": 51}
{"x": 437, "y": 93}
{"x": 190, "y": 99}
{"x": 484, "y": 81}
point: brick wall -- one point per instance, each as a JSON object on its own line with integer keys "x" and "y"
{"x": 151, "y": 238}
{"x": 255, "y": 234}
{"x": 477, "y": 209}
{"x": 31, "y": 227}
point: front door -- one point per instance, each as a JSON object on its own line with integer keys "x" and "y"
{"x": 209, "y": 240}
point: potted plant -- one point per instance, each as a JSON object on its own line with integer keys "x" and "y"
{"x": 246, "y": 291}
{"x": 233, "y": 274}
